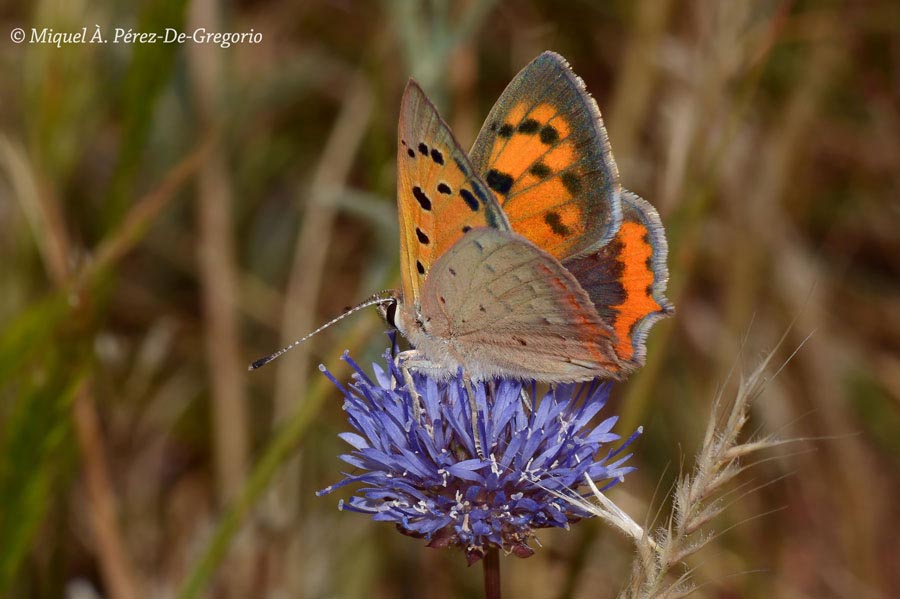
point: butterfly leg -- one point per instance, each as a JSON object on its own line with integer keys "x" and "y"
{"x": 402, "y": 360}
{"x": 473, "y": 406}
{"x": 526, "y": 400}
{"x": 413, "y": 360}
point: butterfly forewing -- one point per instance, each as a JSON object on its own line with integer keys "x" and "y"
{"x": 508, "y": 304}
{"x": 439, "y": 194}
{"x": 544, "y": 153}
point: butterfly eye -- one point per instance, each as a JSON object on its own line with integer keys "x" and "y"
{"x": 390, "y": 313}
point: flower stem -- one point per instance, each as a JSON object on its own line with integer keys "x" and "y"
{"x": 492, "y": 574}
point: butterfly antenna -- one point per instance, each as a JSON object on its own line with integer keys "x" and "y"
{"x": 382, "y": 297}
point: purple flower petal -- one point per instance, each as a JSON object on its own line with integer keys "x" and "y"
{"x": 473, "y": 479}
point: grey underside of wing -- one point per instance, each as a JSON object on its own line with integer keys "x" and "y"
{"x": 496, "y": 294}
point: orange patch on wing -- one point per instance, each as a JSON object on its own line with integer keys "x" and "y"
{"x": 526, "y": 181}
{"x": 543, "y": 113}
{"x": 536, "y": 200}
{"x": 561, "y": 124}
{"x": 560, "y": 157}
{"x": 554, "y": 229}
{"x": 517, "y": 113}
{"x": 514, "y": 154}
{"x": 637, "y": 279}
{"x": 520, "y": 152}
{"x": 570, "y": 217}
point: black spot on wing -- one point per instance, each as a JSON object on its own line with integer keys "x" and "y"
{"x": 420, "y": 196}
{"x": 549, "y": 134}
{"x": 506, "y": 131}
{"x": 444, "y": 189}
{"x": 612, "y": 254}
{"x": 556, "y": 225}
{"x": 469, "y": 199}
{"x": 420, "y": 268}
{"x": 410, "y": 152}
{"x": 540, "y": 170}
{"x": 437, "y": 156}
{"x": 423, "y": 238}
{"x": 466, "y": 229}
{"x": 529, "y": 126}
{"x": 572, "y": 182}
{"x": 631, "y": 329}
{"x": 423, "y": 149}
{"x": 499, "y": 182}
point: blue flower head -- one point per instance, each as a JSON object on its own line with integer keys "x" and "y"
{"x": 437, "y": 476}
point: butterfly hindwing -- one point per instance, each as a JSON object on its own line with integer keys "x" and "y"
{"x": 626, "y": 278}
{"x": 544, "y": 153}
{"x": 508, "y": 304}
{"x": 439, "y": 194}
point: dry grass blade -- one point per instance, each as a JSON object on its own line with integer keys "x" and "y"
{"x": 606, "y": 510}
{"x": 118, "y": 571}
{"x": 698, "y": 497}
{"x": 218, "y": 269}
{"x": 305, "y": 284}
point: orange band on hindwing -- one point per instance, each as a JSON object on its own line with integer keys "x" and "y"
{"x": 626, "y": 278}
{"x": 637, "y": 283}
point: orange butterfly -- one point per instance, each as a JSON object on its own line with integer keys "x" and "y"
{"x": 525, "y": 259}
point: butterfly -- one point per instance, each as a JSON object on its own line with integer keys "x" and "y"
{"x": 524, "y": 259}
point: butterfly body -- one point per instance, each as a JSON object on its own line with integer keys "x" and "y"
{"x": 524, "y": 259}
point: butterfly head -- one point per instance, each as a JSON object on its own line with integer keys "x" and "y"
{"x": 405, "y": 317}
{"x": 391, "y": 310}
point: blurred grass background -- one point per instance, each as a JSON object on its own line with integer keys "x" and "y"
{"x": 168, "y": 213}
